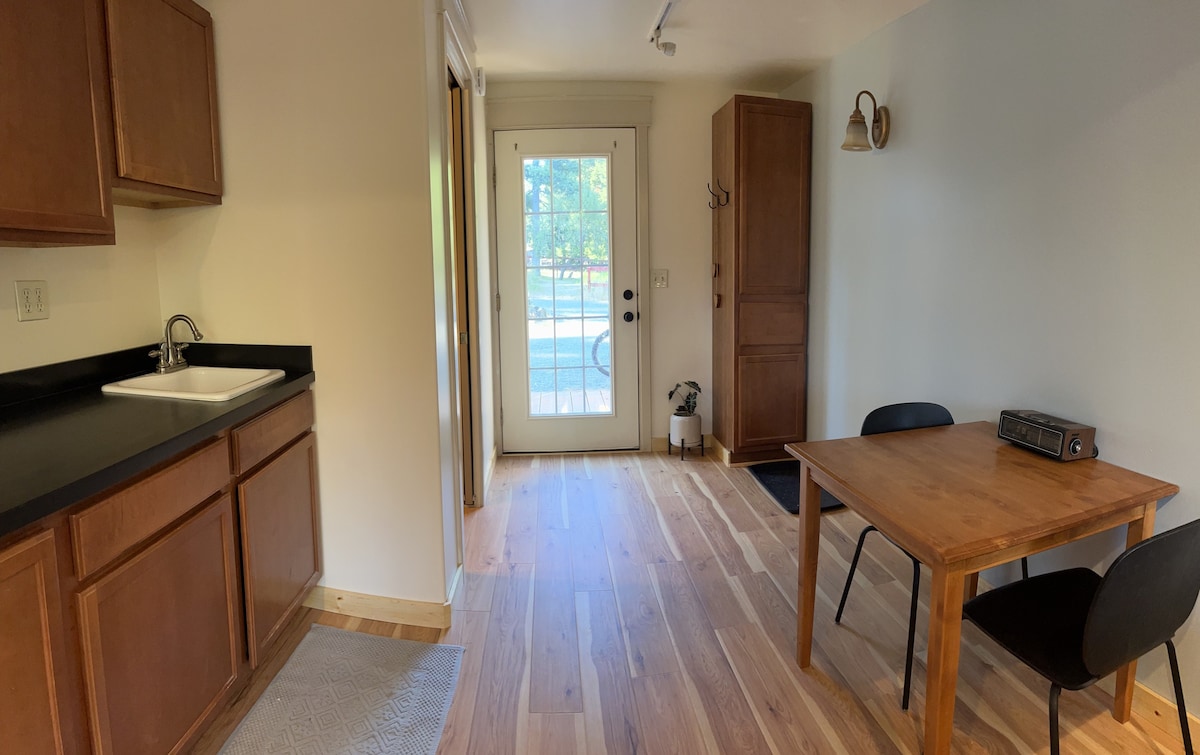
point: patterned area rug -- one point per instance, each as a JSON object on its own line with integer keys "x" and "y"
{"x": 344, "y": 693}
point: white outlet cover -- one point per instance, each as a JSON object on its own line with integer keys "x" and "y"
{"x": 33, "y": 300}
{"x": 659, "y": 278}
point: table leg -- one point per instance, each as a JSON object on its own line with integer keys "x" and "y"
{"x": 945, "y": 628}
{"x": 1138, "y": 530}
{"x": 810, "y": 542}
{"x": 971, "y": 588}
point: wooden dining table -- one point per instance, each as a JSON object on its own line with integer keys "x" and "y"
{"x": 961, "y": 500}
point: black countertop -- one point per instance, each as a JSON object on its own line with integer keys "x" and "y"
{"x": 62, "y": 440}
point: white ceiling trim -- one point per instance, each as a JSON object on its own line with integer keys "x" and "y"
{"x": 569, "y": 111}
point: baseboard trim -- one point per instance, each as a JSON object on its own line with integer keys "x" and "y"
{"x": 491, "y": 470}
{"x": 1160, "y": 712}
{"x": 380, "y": 608}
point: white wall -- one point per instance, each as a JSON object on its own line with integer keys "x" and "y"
{"x": 1026, "y": 240}
{"x": 681, "y": 242}
{"x": 102, "y": 298}
{"x": 326, "y": 238}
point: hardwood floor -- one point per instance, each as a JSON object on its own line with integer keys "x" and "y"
{"x": 636, "y": 603}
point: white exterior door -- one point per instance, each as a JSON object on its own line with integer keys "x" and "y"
{"x": 566, "y": 219}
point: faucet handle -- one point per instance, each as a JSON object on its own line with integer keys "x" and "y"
{"x": 156, "y": 353}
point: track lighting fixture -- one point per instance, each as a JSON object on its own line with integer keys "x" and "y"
{"x": 666, "y": 48}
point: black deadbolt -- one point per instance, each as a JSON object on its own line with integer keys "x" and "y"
{"x": 628, "y": 294}
{"x": 628, "y": 317}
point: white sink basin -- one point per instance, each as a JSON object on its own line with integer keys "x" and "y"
{"x": 197, "y": 383}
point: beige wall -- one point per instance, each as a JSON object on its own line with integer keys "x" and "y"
{"x": 101, "y": 298}
{"x": 1026, "y": 240}
{"x": 326, "y": 237}
{"x": 681, "y": 242}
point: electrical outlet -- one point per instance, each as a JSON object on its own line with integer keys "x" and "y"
{"x": 33, "y": 300}
{"x": 659, "y": 278}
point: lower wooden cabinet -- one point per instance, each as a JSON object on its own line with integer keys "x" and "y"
{"x": 279, "y": 541}
{"x": 161, "y": 637}
{"x": 31, "y": 645}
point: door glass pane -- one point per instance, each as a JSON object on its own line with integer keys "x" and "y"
{"x": 568, "y": 301}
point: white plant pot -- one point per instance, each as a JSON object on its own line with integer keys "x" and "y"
{"x": 685, "y": 430}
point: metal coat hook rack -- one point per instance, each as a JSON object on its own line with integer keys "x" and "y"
{"x": 721, "y": 201}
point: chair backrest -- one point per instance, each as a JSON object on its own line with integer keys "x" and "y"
{"x": 910, "y": 416}
{"x": 1145, "y": 596}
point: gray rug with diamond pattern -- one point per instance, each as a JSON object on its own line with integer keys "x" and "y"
{"x": 344, "y": 693}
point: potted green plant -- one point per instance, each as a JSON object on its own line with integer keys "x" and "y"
{"x": 685, "y": 422}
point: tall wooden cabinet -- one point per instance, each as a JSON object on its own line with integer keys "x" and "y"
{"x": 761, "y": 163}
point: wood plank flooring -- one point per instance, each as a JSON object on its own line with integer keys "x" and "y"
{"x": 636, "y": 603}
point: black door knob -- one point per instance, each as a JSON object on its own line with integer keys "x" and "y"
{"x": 628, "y": 294}
{"x": 628, "y": 317}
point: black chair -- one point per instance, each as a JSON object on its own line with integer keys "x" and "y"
{"x": 886, "y": 419}
{"x": 1075, "y": 627}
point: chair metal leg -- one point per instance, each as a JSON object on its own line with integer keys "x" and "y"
{"x": 1054, "y": 690}
{"x": 850, "y": 577}
{"x": 912, "y": 632}
{"x": 1179, "y": 704}
{"x": 1024, "y": 568}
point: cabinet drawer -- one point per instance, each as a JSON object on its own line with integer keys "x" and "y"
{"x": 266, "y": 434}
{"x": 772, "y": 323}
{"x": 109, "y": 528}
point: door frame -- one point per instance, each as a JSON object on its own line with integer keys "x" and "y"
{"x": 466, "y": 298}
{"x": 514, "y": 113}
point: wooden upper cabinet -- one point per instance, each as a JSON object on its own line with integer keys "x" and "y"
{"x": 164, "y": 96}
{"x": 54, "y": 125}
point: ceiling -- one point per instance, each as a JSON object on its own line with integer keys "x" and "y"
{"x": 762, "y": 45}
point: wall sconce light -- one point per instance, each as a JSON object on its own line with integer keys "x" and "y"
{"x": 856, "y": 130}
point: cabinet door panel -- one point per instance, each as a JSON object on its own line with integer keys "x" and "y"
{"x": 54, "y": 120}
{"x": 772, "y": 198}
{"x": 279, "y": 541}
{"x": 164, "y": 93}
{"x": 770, "y": 397}
{"x": 772, "y": 323}
{"x": 160, "y": 637}
{"x": 31, "y": 639}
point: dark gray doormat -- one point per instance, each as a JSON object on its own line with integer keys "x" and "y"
{"x": 344, "y": 692}
{"x": 782, "y": 480}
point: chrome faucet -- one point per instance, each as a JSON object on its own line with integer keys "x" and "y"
{"x": 170, "y": 353}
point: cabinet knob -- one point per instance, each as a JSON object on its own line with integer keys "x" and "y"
{"x": 716, "y": 301}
